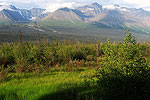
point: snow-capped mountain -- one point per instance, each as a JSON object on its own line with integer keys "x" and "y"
{"x": 34, "y": 13}
{"x": 9, "y": 13}
{"x": 112, "y": 16}
{"x": 7, "y": 7}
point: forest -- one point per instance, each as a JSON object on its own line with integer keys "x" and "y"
{"x": 74, "y": 70}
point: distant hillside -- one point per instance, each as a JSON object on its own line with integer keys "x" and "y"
{"x": 99, "y": 16}
{"x": 85, "y": 23}
{"x": 93, "y": 15}
{"x": 34, "y": 14}
{"x": 11, "y": 14}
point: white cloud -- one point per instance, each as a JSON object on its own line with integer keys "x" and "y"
{"x": 138, "y": 3}
{"x": 52, "y": 7}
{"x": 148, "y": 9}
{"x": 109, "y": 7}
{"x": 3, "y": 3}
{"x": 145, "y": 4}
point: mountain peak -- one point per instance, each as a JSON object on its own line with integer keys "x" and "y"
{"x": 116, "y": 5}
{"x": 65, "y": 9}
{"x": 38, "y": 9}
{"x": 7, "y": 7}
{"x": 96, "y": 4}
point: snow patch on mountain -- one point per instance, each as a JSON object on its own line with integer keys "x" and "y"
{"x": 6, "y": 7}
{"x": 90, "y": 8}
{"x": 33, "y": 18}
{"x": 113, "y": 7}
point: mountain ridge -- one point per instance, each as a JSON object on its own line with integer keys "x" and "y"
{"x": 95, "y": 15}
{"x": 112, "y": 16}
{"x": 9, "y": 13}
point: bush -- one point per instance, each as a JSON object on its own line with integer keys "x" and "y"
{"x": 6, "y": 55}
{"x": 124, "y": 73}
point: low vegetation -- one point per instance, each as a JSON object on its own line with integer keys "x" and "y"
{"x": 75, "y": 71}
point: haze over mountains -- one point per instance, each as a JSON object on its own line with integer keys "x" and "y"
{"x": 112, "y": 17}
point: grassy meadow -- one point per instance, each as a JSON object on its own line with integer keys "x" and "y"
{"x": 43, "y": 86}
{"x": 69, "y": 70}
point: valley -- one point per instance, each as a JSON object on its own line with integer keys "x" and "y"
{"x": 84, "y": 23}
{"x": 62, "y": 50}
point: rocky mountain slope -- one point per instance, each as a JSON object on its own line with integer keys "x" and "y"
{"x": 34, "y": 13}
{"x": 112, "y": 16}
{"x": 9, "y": 13}
{"x": 93, "y": 15}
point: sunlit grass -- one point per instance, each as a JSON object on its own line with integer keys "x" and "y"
{"x": 31, "y": 86}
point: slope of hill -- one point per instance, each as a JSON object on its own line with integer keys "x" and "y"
{"x": 85, "y": 23}
{"x": 9, "y": 13}
{"x": 112, "y": 16}
{"x": 34, "y": 13}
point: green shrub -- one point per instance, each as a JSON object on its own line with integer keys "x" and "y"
{"x": 6, "y": 55}
{"x": 124, "y": 73}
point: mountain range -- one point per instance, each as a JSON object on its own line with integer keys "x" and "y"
{"x": 87, "y": 17}
{"x": 9, "y": 13}
{"x": 112, "y": 16}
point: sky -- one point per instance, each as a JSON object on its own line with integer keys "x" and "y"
{"x": 52, "y": 5}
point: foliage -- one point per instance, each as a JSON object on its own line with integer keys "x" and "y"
{"x": 124, "y": 72}
{"x": 129, "y": 38}
{"x": 122, "y": 69}
{"x": 23, "y": 54}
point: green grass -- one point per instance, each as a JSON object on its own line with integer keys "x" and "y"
{"x": 31, "y": 86}
{"x": 64, "y": 24}
{"x": 121, "y": 70}
{"x": 85, "y": 32}
{"x": 140, "y": 30}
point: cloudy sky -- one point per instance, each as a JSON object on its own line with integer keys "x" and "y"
{"x": 52, "y": 5}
